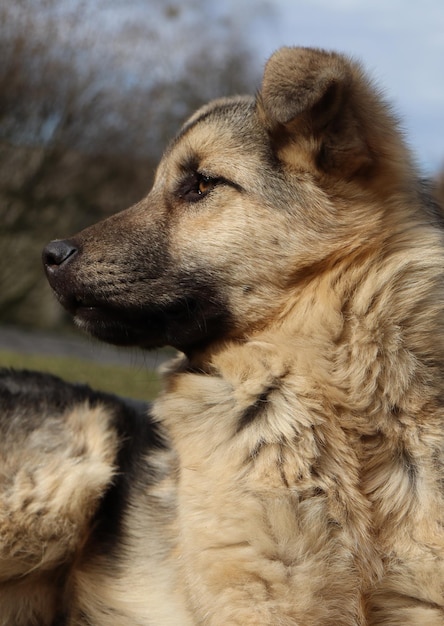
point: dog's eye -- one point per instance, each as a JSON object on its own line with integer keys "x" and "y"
{"x": 197, "y": 187}
{"x": 205, "y": 184}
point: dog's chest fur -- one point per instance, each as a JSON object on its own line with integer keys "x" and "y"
{"x": 270, "y": 479}
{"x": 292, "y": 483}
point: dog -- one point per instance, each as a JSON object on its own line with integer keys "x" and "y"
{"x": 292, "y": 254}
{"x": 87, "y": 507}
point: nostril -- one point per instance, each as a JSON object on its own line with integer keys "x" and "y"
{"x": 57, "y": 252}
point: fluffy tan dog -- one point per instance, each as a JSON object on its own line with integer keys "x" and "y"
{"x": 290, "y": 251}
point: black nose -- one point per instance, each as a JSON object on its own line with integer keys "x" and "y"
{"x": 58, "y": 252}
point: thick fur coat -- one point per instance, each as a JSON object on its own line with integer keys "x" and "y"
{"x": 87, "y": 508}
{"x": 290, "y": 251}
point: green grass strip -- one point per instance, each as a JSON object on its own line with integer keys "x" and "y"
{"x": 133, "y": 382}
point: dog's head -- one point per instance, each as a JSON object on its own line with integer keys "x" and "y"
{"x": 250, "y": 198}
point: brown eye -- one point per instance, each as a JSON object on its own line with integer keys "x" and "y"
{"x": 205, "y": 184}
{"x": 197, "y": 186}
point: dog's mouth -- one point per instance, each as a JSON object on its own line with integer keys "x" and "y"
{"x": 145, "y": 329}
{"x": 182, "y": 323}
{"x": 144, "y": 308}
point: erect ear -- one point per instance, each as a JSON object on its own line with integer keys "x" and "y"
{"x": 322, "y": 112}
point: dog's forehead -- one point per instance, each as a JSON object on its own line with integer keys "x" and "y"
{"x": 233, "y": 110}
{"x": 220, "y": 131}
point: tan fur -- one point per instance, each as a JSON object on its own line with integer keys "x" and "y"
{"x": 86, "y": 537}
{"x": 48, "y": 494}
{"x": 33, "y": 477}
{"x": 290, "y": 251}
{"x": 327, "y": 508}
{"x": 138, "y": 584}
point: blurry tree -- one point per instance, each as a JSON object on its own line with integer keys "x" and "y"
{"x": 89, "y": 95}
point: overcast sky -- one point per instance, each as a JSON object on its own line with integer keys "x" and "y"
{"x": 401, "y": 43}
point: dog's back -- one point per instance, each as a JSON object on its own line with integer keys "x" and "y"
{"x": 85, "y": 505}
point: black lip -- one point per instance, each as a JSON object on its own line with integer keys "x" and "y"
{"x": 185, "y": 312}
{"x": 105, "y": 323}
{"x": 177, "y": 324}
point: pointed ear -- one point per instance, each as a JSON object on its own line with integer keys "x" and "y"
{"x": 321, "y": 111}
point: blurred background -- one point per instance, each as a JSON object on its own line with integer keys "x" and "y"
{"x": 91, "y": 92}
